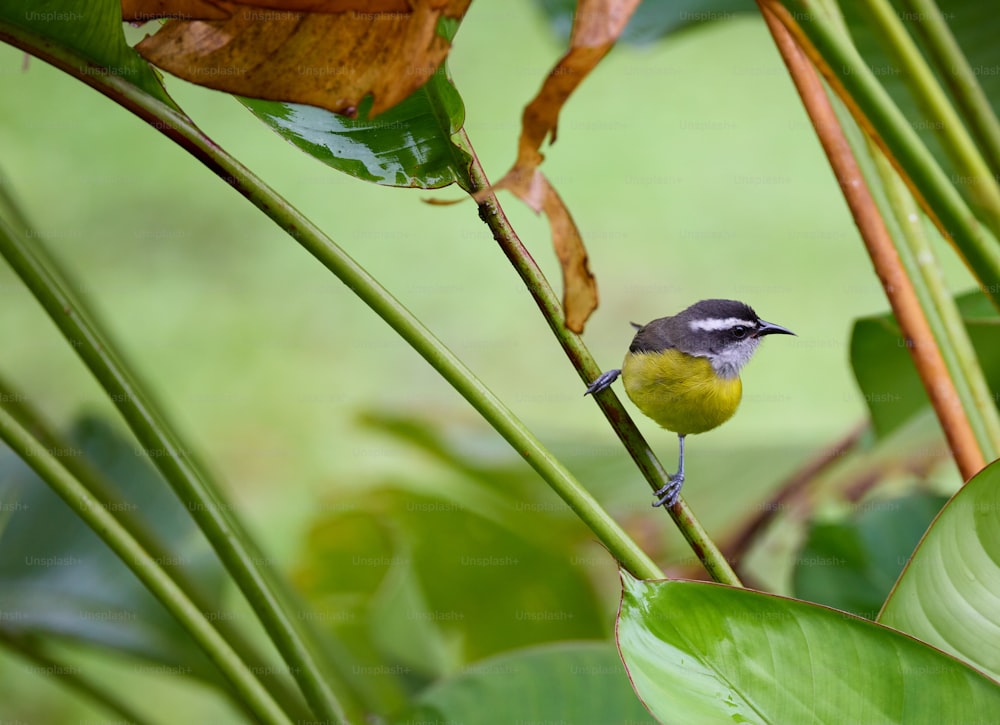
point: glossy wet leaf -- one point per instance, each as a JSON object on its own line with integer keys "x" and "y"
{"x": 949, "y": 594}
{"x": 884, "y": 369}
{"x": 93, "y": 29}
{"x": 708, "y": 653}
{"x": 568, "y": 682}
{"x": 328, "y": 59}
{"x": 58, "y": 579}
{"x": 852, "y": 564}
{"x": 409, "y": 145}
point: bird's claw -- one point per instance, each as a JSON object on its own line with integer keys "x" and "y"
{"x": 603, "y": 381}
{"x": 668, "y": 495}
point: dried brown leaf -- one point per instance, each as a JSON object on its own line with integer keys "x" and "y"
{"x": 579, "y": 284}
{"x": 596, "y": 27}
{"x": 331, "y": 60}
{"x": 191, "y": 9}
{"x": 216, "y": 9}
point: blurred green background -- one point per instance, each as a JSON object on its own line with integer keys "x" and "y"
{"x": 691, "y": 171}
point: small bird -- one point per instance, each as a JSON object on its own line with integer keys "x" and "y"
{"x": 684, "y": 371}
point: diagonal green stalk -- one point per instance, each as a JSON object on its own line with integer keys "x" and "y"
{"x": 142, "y": 564}
{"x": 903, "y": 219}
{"x": 943, "y": 315}
{"x": 874, "y": 110}
{"x": 214, "y": 516}
{"x": 880, "y": 244}
{"x": 957, "y": 141}
{"x": 572, "y": 344}
{"x": 103, "y": 491}
{"x": 182, "y": 130}
{"x": 952, "y": 65}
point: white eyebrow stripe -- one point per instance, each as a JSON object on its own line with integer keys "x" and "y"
{"x": 717, "y": 323}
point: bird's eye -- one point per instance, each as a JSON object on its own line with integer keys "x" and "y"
{"x": 739, "y": 332}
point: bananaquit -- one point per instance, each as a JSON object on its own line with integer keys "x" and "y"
{"x": 684, "y": 371}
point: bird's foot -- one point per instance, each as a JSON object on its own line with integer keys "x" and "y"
{"x": 603, "y": 381}
{"x": 667, "y": 496}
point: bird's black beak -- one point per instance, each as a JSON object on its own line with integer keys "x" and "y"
{"x": 769, "y": 328}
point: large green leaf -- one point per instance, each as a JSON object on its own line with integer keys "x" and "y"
{"x": 852, "y": 564}
{"x": 949, "y": 593}
{"x": 408, "y": 145}
{"x": 58, "y": 579}
{"x": 568, "y": 682}
{"x": 884, "y": 370}
{"x": 89, "y": 28}
{"x": 700, "y": 653}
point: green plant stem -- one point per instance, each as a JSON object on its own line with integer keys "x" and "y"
{"x": 943, "y": 315}
{"x": 104, "y": 492}
{"x": 33, "y": 650}
{"x": 953, "y": 66}
{"x": 922, "y": 346}
{"x": 175, "y": 461}
{"x": 572, "y": 344}
{"x": 874, "y": 110}
{"x": 937, "y": 107}
{"x": 902, "y": 218}
{"x": 183, "y": 131}
{"x": 144, "y": 566}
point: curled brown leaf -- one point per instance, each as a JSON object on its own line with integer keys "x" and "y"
{"x": 331, "y": 59}
{"x": 596, "y": 27}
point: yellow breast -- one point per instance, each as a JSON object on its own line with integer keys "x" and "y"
{"x": 680, "y": 392}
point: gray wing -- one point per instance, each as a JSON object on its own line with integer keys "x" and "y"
{"x": 658, "y": 335}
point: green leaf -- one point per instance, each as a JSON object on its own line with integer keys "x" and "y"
{"x": 949, "y": 594}
{"x": 409, "y": 145}
{"x": 853, "y": 564}
{"x": 426, "y": 578}
{"x": 58, "y": 579}
{"x": 90, "y": 28}
{"x": 884, "y": 370}
{"x": 567, "y": 682}
{"x": 464, "y": 584}
{"x": 708, "y": 653}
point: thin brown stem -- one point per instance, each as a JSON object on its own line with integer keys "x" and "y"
{"x": 572, "y": 344}
{"x": 743, "y": 538}
{"x": 899, "y": 290}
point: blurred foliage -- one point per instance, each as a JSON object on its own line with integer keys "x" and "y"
{"x": 884, "y": 368}
{"x": 58, "y": 580}
{"x": 539, "y": 684}
{"x": 424, "y": 570}
{"x": 432, "y": 575}
{"x": 653, "y": 20}
{"x": 852, "y": 563}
